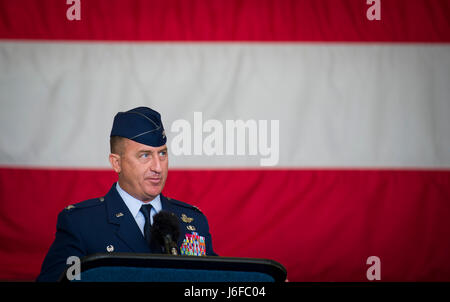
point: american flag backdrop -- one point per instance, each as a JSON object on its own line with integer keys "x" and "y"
{"x": 349, "y": 99}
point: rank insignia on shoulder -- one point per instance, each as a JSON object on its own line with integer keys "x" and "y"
{"x": 69, "y": 207}
{"x": 186, "y": 219}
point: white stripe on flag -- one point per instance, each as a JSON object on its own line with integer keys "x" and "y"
{"x": 354, "y": 105}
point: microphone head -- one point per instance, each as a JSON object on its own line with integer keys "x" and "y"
{"x": 165, "y": 224}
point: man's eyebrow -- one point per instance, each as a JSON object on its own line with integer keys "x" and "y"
{"x": 151, "y": 151}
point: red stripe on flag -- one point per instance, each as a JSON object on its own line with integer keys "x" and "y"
{"x": 322, "y": 225}
{"x": 227, "y": 20}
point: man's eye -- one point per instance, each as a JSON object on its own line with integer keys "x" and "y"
{"x": 162, "y": 153}
{"x": 144, "y": 155}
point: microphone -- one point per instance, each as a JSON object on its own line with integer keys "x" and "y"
{"x": 166, "y": 230}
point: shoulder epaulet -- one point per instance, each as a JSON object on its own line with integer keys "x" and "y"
{"x": 183, "y": 204}
{"x": 196, "y": 208}
{"x": 85, "y": 204}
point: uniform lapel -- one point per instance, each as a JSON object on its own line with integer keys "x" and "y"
{"x": 128, "y": 231}
{"x": 166, "y": 205}
{"x": 170, "y": 207}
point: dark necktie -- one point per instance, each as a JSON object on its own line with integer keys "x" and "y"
{"x": 145, "y": 209}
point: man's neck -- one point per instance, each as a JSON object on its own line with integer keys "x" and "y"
{"x": 129, "y": 192}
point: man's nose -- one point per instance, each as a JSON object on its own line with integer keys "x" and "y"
{"x": 155, "y": 165}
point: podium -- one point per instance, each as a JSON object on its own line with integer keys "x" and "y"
{"x": 130, "y": 267}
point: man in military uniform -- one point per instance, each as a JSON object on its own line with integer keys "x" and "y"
{"x": 121, "y": 220}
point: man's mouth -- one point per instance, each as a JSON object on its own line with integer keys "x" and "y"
{"x": 153, "y": 180}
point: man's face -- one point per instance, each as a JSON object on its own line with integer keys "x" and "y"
{"x": 142, "y": 169}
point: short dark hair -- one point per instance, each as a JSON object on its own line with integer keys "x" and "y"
{"x": 116, "y": 144}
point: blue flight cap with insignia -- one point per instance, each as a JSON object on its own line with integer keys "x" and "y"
{"x": 142, "y": 125}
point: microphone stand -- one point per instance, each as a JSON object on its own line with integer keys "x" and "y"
{"x": 170, "y": 246}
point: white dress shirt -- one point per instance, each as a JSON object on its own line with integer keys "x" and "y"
{"x": 134, "y": 205}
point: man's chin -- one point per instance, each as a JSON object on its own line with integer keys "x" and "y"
{"x": 153, "y": 191}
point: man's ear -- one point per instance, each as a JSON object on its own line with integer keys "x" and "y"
{"x": 114, "y": 160}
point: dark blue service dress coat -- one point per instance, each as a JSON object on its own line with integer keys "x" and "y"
{"x": 106, "y": 225}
